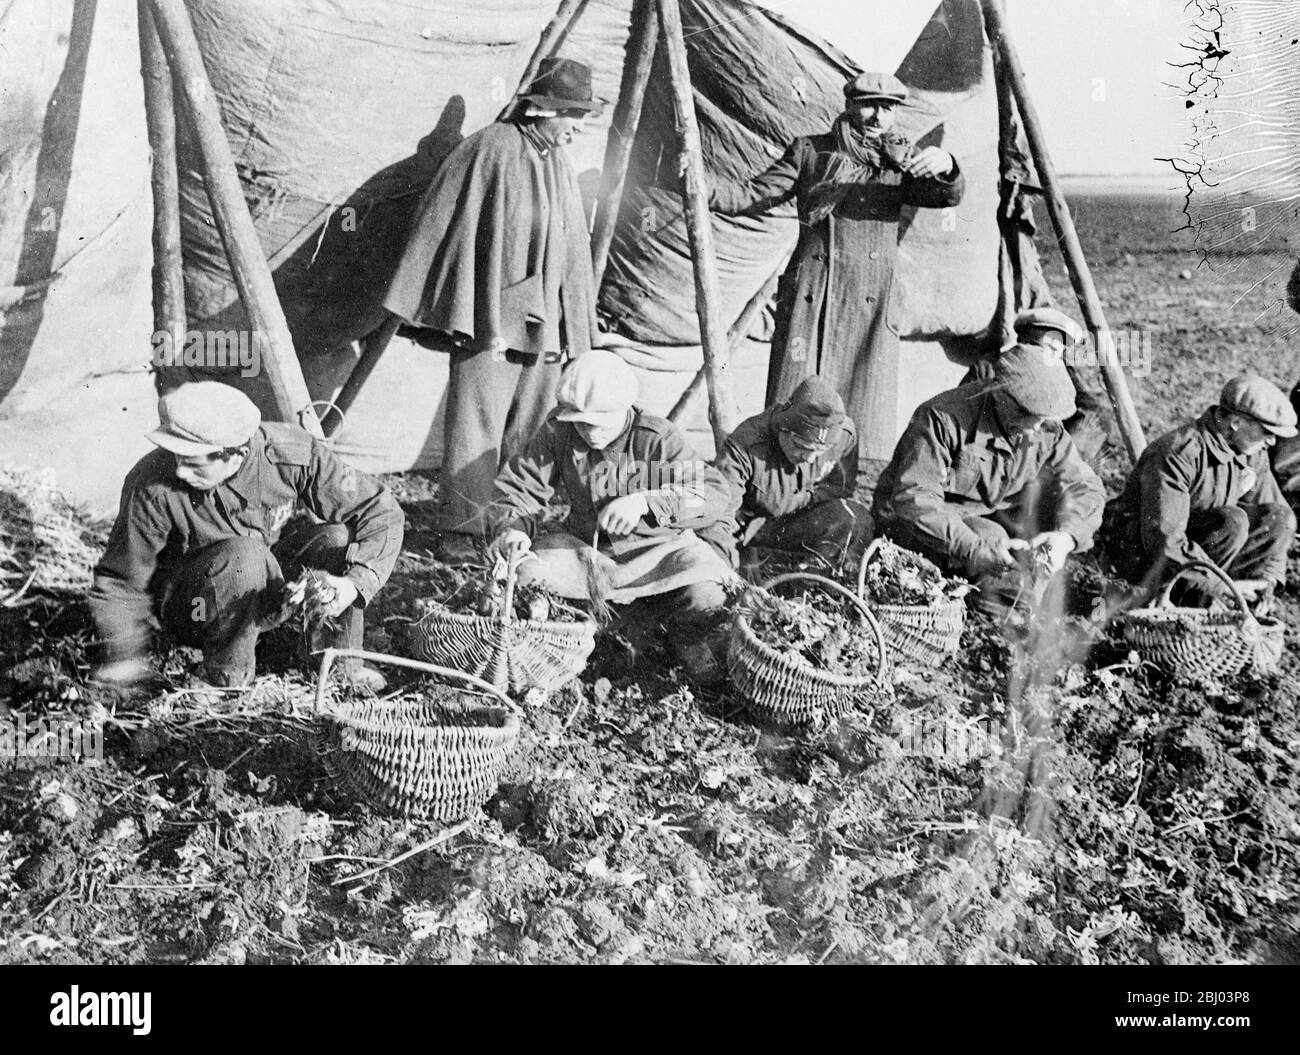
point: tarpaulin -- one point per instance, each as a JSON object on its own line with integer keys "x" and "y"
{"x": 75, "y": 392}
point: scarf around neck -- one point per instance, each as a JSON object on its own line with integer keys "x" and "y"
{"x": 856, "y": 160}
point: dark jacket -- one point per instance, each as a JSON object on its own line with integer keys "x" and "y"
{"x": 650, "y": 457}
{"x": 956, "y": 460}
{"x": 766, "y": 484}
{"x": 1189, "y": 470}
{"x": 161, "y": 521}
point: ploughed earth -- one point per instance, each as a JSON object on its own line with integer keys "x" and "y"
{"x": 1045, "y": 799}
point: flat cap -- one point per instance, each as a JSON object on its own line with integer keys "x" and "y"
{"x": 203, "y": 417}
{"x": 1036, "y": 378}
{"x": 595, "y": 386}
{"x": 815, "y": 412}
{"x": 1262, "y": 400}
{"x": 876, "y": 86}
{"x": 1048, "y": 319}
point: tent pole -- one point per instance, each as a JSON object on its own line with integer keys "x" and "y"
{"x": 557, "y": 29}
{"x": 735, "y": 337}
{"x": 699, "y": 229}
{"x": 1130, "y": 426}
{"x": 168, "y": 273}
{"x": 372, "y": 349}
{"x": 247, "y": 261}
{"x": 622, "y": 130}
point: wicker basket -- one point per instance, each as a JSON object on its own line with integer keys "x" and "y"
{"x": 416, "y": 759}
{"x": 780, "y": 689}
{"x": 925, "y": 634}
{"x": 1198, "y": 643}
{"x": 513, "y": 654}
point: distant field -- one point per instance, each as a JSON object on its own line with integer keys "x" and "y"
{"x": 1226, "y": 316}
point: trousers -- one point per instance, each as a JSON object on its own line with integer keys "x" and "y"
{"x": 834, "y": 530}
{"x": 495, "y": 403}
{"x": 219, "y": 598}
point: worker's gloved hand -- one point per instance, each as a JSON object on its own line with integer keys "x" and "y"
{"x": 1054, "y": 546}
{"x": 345, "y": 594}
{"x": 121, "y": 673}
{"x": 930, "y": 162}
{"x": 509, "y": 545}
{"x": 997, "y": 558}
{"x": 1258, "y": 594}
{"x": 622, "y": 515}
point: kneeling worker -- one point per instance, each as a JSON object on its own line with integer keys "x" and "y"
{"x": 987, "y": 470}
{"x": 200, "y": 543}
{"x": 637, "y": 490}
{"x": 1206, "y": 492}
{"x": 794, "y": 468}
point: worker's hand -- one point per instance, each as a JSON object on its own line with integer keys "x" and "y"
{"x": 930, "y": 162}
{"x": 999, "y": 557}
{"x": 1258, "y": 594}
{"x": 345, "y": 593}
{"x": 121, "y": 673}
{"x": 508, "y": 546}
{"x": 622, "y": 515}
{"x": 1056, "y": 546}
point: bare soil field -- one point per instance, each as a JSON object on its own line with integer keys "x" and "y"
{"x": 1043, "y": 800}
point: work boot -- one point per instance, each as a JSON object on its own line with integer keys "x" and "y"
{"x": 361, "y": 678}
{"x": 347, "y": 633}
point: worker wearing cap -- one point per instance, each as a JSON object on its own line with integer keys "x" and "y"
{"x": 850, "y": 185}
{"x": 206, "y": 533}
{"x": 986, "y": 471}
{"x": 659, "y": 516}
{"x": 498, "y": 270}
{"x": 1053, "y": 329}
{"x": 794, "y": 469}
{"x": 1206, "y": 492}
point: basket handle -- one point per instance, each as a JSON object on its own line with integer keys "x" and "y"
{"x": 825, "y": 583}
{"x": 870, "y": 552}
{"x": 331, "y": 654}
{"x": 506, "y": 612}
{"x": 1214, "y": 569}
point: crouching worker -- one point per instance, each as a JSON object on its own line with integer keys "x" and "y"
{"x": 637, "y": 492}
{"x": 200, "y": 544}
{"x": 986, "y": 478}
{"x": 794, "y": 468}
{"x": 1206, "y": 492}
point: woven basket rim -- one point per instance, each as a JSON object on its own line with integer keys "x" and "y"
{"x": 780, "y": 659}
{"x": 1202, "y": 616}
{"x": 946, "y": 604}
{"x": 467, "y": 619}
{"x": 338, "y": 712}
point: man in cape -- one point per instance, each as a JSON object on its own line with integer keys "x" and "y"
{"x": 499, "y": 264}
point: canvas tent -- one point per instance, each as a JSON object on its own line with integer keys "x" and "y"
{"x": 337, "y": 116}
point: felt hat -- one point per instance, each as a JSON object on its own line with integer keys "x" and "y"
{"x": 596, "y": 387}
{"x": 1036, "y": 378}
{"x": 203, "y": 417}
{"x": 884, "y": 87}
{"x": 1262, "y": 400}
{"x": 1048, "y": 319}
{"x": 814, "y": 413}
{"x": 562, "y": 84}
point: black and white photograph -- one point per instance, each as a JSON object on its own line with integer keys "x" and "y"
{"x": 650, "y": 482}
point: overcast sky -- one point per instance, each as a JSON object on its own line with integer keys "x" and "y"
{"x": 1097, "y": 69}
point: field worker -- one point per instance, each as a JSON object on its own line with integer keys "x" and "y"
{"x": 986, "y": 476}
{"x": 638, "y": 491}
{"x": 200, "y": 543}
{"x": 499, "y": 263}
{"x": 850, "y": 185}
{"x": 1050, "y": 328}
{"x": 1206, "y": 492}
{"x": 794, "y": 468}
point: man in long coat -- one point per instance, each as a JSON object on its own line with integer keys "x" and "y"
{"x": 500, "y": 264}
{"x": 851, "y": 185}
